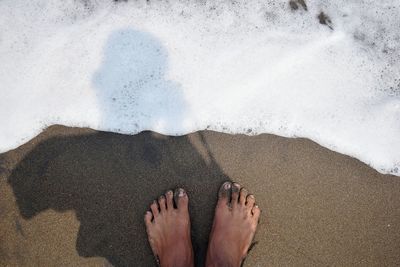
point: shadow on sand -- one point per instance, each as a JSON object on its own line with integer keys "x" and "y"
{"x": 108, "y": 179}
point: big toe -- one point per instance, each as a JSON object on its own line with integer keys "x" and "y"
{"x": 148, "y": 216}
{"x": 224, "y": 193}
{"x": 181, "y": 199}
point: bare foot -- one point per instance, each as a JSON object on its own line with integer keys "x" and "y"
{"x": 235, "y": 222}
{"x": 168, "y": 230}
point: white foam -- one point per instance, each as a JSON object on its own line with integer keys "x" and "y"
{"x": 238, "y": 67}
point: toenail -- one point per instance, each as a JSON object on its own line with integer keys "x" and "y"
{"x": 227, "y": 185}
{"x": 162, "y": 197}
{"x": 236, "y": 187}
{"x": 169, "y": 192}
{"x": 181, "y": 192}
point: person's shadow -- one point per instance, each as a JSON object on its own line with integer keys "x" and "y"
{"x": 110, "y": 179}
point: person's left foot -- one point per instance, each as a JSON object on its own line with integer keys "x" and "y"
{"x": 168, "y": 230}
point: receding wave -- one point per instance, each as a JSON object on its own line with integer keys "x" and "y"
{"x": 324, "y": 70}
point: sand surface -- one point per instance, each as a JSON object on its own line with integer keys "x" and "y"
{"x": 76, "y": 197}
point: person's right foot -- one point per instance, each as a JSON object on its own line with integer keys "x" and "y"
{"x": 235, "y": 222}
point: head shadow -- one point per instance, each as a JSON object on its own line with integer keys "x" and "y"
{"x": 132, "y": 87}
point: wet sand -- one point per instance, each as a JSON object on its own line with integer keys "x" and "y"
{"x": 76, "y": 197}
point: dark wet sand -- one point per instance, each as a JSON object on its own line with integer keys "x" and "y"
{"x": 76, "y": 197}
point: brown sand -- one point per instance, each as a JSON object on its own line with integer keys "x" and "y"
{"x": 76, "y": 197}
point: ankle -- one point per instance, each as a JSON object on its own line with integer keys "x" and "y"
{"x": 181, "y": 263}
{"x": 181, "y": 260}
{"x": 221, "y": 261}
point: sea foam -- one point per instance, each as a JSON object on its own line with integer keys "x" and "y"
{"x": 324, "y": 70}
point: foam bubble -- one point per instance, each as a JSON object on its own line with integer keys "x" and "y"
{"x": 325, "y": 70}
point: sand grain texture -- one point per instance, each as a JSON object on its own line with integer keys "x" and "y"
{"x": 76, "y": 197}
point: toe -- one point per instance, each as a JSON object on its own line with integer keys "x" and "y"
{"x": 170, "y": 199}
{"x": 181, "y": 199}
{"x": 162, "y": 203}
{"x": 224, "y": 193}
{"x": 147, "y": 218}
{"x": 250, "y": 200}
{"x": 235, "y": 193}
{"x": 154, "y": 208}
{"x": 243, "y": 196}
{"x": 256, "y": 213}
